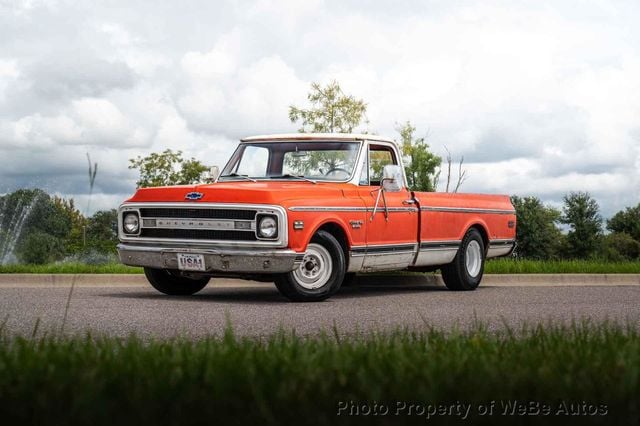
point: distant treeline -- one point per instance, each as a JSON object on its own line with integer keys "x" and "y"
{"x": 53, "y": 229}
{"x": 540, "y": 236}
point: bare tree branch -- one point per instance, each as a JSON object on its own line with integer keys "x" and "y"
{"x": 462, "y": 175}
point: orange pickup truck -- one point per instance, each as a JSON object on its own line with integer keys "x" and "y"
{"x": 308, "y": 212}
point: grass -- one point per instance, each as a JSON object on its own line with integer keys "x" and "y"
{"x": 288, "y": 379}
{"x": 511, "y": 266}
{"x": 494, "y": 266}
{"x": 70, "y": 268}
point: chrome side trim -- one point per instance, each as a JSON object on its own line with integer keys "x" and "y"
{"x": 501, "y": 242}
{"x": 348, "y": 209}
{"x": 431, "y": 245}
{"x": 436, "y": 252}
{"x": 440, "y": 256}
{"x": 499, "y": 251}
{"x": 355, "y": 263}
{"x": 500, "y": 247}
{"x": 466, "y": 210}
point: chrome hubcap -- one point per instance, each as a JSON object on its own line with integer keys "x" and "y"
{"x": 473, "y": 258}
{"x": 315, "y": 269}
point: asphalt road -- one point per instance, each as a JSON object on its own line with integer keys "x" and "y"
{"x": 257, "y": 309}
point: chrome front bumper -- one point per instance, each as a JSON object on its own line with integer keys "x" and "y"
{"x": 244, "y": 261}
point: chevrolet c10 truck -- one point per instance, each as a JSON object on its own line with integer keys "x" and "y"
{"x": 308, "y": 212}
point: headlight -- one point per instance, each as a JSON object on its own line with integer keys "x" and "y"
{"x": 131, "y": 223}
{"x": 268, "y": 227}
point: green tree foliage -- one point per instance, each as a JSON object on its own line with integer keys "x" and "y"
{"x": 537, "y": 235}
{"x": 167, "y": 168}
{"x": 582, "y": 213}
{"x": 74, "y": 240}
{"x": 626, "y": 221}
{"x": 101, "y": 231}
{"x": 53, "y": 228}
{"x": 44, "y": 220}
{"x": 620, "y": 246}
{"x": 39, "y": 247}
{"x": 331, "y": 110}
{"x": 422, "y": 164}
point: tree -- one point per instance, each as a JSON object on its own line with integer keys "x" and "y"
{"x": 39, "y": 247}
{"x": 462, "y": 173}
{"x": 34, "y": 227}
{"x": 101, "y": 234}
{"x": 582, "y": 214}
{"x": 620, "y": 246}
{"x": 422, "y": 164}
{"x": 331, "y": 110}
{"x": 537, "y": 235}
{"x": 627, "y": 221}
{"x": 167, "y": 168}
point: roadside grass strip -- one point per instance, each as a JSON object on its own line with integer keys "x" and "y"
{"x": 493, "y": 266}
{"x": 70, "y": 268}
{"x": 581, "y": 373}
{"x": 517, "y": 266}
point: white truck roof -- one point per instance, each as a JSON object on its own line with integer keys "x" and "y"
{"x": 316, "y": 136}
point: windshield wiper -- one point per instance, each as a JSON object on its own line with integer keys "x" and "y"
{"x": 288, "y": 176}
{"x": 235, "y": 175}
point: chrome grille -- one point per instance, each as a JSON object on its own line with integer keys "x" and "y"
{"x": 198, "y": 223}
{"x": 205, "y": 223}
{"x": 198, "y": 234}
{"x": 198, "y": 213}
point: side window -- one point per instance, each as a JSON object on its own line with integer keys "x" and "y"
{"x": 379, "y": 156}
{"x": 254, "y": 162}
{"x": 364, "y": 175}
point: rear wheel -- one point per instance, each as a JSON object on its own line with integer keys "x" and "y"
{"x": 171, "y": 283}
{"x": 465, "y": 272}
{"x": 320, "y": 273}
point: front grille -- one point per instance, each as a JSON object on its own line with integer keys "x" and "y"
{"x": 197, "y": 234}
{"x": 198, "y": 213}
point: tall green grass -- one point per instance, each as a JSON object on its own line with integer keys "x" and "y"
{"x": 513, "y": 266}
{"x": 70, "y": 268}
{"x": 287, "y": 379}
{"x": 493, "y": 266}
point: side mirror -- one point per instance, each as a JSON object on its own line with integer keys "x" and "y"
{"x": 214, "y": 172}
{"x": 392, "y": 178}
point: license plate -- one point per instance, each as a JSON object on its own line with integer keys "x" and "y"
{"x": 191, "y": 262}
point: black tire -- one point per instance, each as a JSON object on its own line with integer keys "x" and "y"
{"x": 293, "y": 286}
{"x": 172, "y": 284}
{"x": 456, "y": 275}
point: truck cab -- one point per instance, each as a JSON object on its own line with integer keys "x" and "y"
{"x": 307, "y": 211}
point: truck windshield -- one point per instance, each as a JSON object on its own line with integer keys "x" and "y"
{"x": 317, "y": 161}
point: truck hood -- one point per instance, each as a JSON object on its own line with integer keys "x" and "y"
{"x": 241, "y": 192}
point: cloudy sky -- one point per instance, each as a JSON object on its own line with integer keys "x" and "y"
{"x": 541, "y": 98}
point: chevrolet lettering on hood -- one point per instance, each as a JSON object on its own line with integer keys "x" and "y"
{"x": 308, "y": 212}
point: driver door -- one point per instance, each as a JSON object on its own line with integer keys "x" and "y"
{"x": 391, "y": 237}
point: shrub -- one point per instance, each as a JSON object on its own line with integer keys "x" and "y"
{"x": 39, "y": 248}
{"x": 621, "y": 246}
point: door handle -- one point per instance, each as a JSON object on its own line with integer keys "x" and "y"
{"x": 409, "y": 202}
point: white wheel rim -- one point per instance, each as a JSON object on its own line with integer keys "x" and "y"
{"x": 473, "y": 258}
{"x": 315, "y": 269}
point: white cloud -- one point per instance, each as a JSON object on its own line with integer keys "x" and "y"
{"x": 539, "y": 98}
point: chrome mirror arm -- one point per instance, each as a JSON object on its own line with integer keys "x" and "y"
{"x": 384, "y": 201}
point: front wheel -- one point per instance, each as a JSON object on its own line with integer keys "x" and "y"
{"x": 465, "y": 272}
{"x": 320, "y": 273}
{"x": 171, "y": 283}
